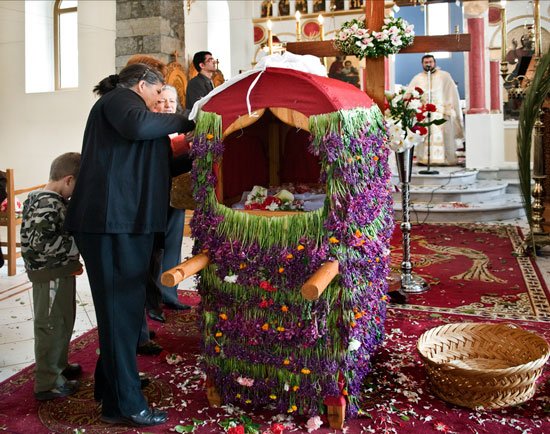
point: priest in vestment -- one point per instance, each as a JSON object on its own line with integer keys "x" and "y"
{"x": 439, "y": 89}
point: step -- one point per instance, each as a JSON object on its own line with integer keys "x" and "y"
{"x": 504, "y": 173}
{"x": 508, "y": 206}
{"x": 450, "y": 175}
{"x": 479, "y": 191}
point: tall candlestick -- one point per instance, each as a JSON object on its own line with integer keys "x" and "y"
{"x": 321, "y": 20}
{"x": 298, "y": 15}
{"x": 503, "y": 30}
{"x": 270, "y": 36}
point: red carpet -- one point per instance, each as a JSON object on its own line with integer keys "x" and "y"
{"x": 471, "y": 270}
{"x": 398, "y": 399}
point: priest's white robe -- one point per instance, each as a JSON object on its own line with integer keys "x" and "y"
{"x": 446, "y": 138}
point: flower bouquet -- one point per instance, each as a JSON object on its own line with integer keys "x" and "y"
{"x": 408, "y": 118}
{"x": 355, "y": 39}
{"x": 259, "y": 198}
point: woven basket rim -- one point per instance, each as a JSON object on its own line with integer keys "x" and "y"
{"x": 497, "y": 372}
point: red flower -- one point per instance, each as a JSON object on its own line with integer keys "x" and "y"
{"x": 431, "y": 107}
{"x": 420, "y": 117}
{"x": 419, "y": 90}
{"x": 420, "y": 130}
{"x": 277, "y": 428}
{"x": 265, "y": 303}
{"x": 266, "y": 286}
{"x": 269, "y": 200}
{"x": 239, "y": 429}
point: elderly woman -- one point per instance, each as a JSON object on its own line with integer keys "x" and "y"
{"x": 120, "y": 201}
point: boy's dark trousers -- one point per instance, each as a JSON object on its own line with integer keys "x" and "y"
{"x": 52, "y": 330}
{"x": 117, "y": 267}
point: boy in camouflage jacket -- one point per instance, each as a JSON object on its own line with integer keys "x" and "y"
{"x": 51, "y": 261}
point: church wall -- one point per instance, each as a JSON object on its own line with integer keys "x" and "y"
{"x": 37, "y": 127}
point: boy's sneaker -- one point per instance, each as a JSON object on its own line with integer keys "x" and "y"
{"x": 66, "y": 389}
{"x": 72, "y": 371}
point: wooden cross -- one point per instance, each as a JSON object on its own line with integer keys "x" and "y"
{"x": 374, "y": 19}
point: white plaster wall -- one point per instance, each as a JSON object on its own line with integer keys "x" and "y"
{"x": 35, "y": 128}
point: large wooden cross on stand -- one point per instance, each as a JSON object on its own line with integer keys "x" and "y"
{"x": 374, "y": 67}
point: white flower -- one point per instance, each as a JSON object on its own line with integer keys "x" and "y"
{"x": 273, "y": 206}
{"x": 354, "y": 345}
{"x": 314, "y": 423}
{"x": 396, "y": 40}
{"x": 231, "y": 278}
{"x": 415, "y": 103}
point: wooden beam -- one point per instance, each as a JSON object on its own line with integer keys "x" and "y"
{"x": 422, "y": 44}
{"x": 374, "y": 67}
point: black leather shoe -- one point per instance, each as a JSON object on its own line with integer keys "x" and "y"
{"x": 177, "y": 306}
{"x": 157, "y": 315}
{"x": 72, "y": 371}
{"x": 66, "y": 389}
{"x": 147, "y": 417}
{"x": 152, "y": 334}
{"x": 149, "y": 348}
{"x": 397, "y": 297}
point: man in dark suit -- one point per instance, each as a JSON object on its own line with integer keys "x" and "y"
{"x": 200, "y": 85}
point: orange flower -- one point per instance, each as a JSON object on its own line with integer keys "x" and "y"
{"x": 345, "y": 392}
{"x": 300, "y": 247}
{"x": 223, "y": 316}
{"x": 358, "y": 157}
{"x": 352, "y": 324}
{"x": 281, "y": 270}
{"x": 333, "y": 240}
{"x": 242, "y": 265}
{"x": 217, "y": 349}
{"x": 210, "y": 136}
{"x": 375, "y": 158}
{"x": 385, "y": 298}
{"x": 295, "y": 388}
{"x": 265, "y": 327}
{"x": 305, "y": 371}
{"x": 292, "y": 409}
{"x": 219, "y": 334}
{"x": 358, "y": 233}
{"x": 284, "y": 308}
{"x": 286, "y": 362}
{"x": 289, "y": 256}
{"x": 358, "y": 315}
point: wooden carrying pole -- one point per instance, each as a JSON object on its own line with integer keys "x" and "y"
{"x": 184, "y": 270}
{"x": 318, "y": 282}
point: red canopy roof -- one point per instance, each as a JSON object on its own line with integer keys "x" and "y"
{"x": 286, "y": 88}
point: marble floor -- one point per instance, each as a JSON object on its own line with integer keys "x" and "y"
{"x": 16, "y": 311}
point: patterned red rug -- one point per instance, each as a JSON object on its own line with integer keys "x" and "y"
{"x": 473, "y": 274}
{"x": 472, "y": 270}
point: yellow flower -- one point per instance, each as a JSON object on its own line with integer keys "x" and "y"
{"x": 210, "y": 136}
{"x": 223, "y": 316}
{"x": 289, "y": 256}
{"x": 248, "y": 401}
{"x": 265, "y": 326}
{"x": 273, "y": 396}
{"x": 306, "y": 371}
{"x": 284, "y": 308}
{"x": 295, "y": 388}
{"x": 280, "y": 329}
{"x": 385, "y": 298}
{"x": 300, "y": 247}
{"x": 333, "y": 240}
{"x": 219, "y": 334}
{"x": 238, "y": 396}
{"x": 286, "y": 362}
{"x": 292, "y": 409}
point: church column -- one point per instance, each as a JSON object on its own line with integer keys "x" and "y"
{"x": 476, "y": 66}
{"x": 484, "y": 133}
{"x": 154, "y": 28}
{"x": 495, "y": 86}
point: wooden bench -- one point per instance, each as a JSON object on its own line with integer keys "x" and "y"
{"x": 12, "y": 220}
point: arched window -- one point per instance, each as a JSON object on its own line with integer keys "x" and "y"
{"x": 65, "y": 24}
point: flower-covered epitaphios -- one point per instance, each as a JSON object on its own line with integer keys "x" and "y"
{"x": 409, "y": 118}
{"x": 355, "y": 39}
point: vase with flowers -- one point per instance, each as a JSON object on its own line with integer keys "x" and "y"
{"x": 408, "y": 119}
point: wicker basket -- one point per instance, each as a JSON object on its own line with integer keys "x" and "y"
{"x": 481, "y": 364}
